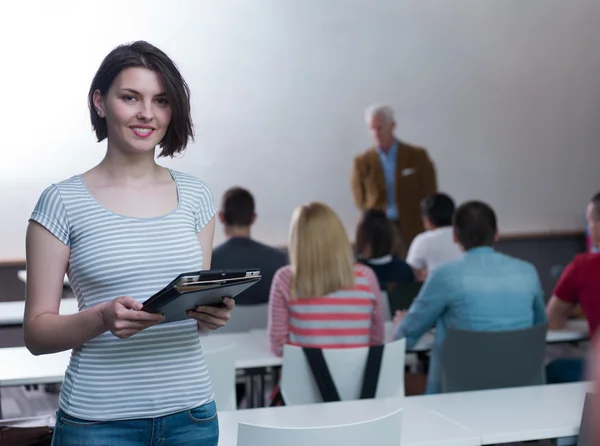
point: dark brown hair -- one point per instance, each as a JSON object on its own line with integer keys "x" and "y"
{"x": 375, "y": 233}
{"x": 143, "y": 54}
{"x": 238, "y": 207}
{"x": 438, "y": 208}
{"x": 475, "y": 225}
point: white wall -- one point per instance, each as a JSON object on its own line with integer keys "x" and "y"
{"x": 503, "y": 93}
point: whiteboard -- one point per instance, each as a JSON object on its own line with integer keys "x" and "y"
{"x": 503, "y": 93}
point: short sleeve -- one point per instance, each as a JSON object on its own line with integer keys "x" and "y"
{"x": 206, "y": 209}
{"x": 566, "y": 288}
{"x": 50, "y": 212}
{"x": 416, "y": 257}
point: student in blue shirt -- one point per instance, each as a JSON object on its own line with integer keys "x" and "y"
{"x": 483, "y": 291}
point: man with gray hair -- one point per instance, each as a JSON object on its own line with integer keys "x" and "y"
{"x": 393, "y": 176}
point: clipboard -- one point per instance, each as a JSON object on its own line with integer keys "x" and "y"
{"x": 189, "y": 290}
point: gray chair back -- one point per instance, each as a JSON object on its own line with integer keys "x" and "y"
{"x": 246, "y": 318}
{"x": 478, "y": 360}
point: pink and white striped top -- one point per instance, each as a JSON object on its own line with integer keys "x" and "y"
{"x": 346, "y": 318}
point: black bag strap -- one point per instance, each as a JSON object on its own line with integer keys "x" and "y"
{"x": 371, "y": 376}
{"x": 321, "y": 373}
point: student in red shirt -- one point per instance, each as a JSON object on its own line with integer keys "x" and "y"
{"x": 578, "y": 284}
{"x": 580, "y": 281}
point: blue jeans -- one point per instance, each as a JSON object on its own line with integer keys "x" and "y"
{"x": 199, "y": 426}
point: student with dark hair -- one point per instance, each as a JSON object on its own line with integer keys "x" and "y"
{"x": 122, "y": 231}
{"x": 237, "y": 215}
{"x": 436, "y": 245}
{"x": 374, "y": 247}
{"x": 579, "y": 284}
{"x": 482, "y": 291}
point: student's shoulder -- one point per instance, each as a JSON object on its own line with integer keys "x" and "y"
{"x": 586, "y": 260}
{"x": 270, "y": 250}
{"x": 283, "y": 276}
{"x": 517, "y": 264}
{"x": 363, "y": 270}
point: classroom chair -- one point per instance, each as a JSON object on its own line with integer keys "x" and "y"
{"x": 382, "y": 431}
{"x": 346, "y": 369}
{"x": 479, "y": 360}
{"x": 221, "y": 367}
{"x": 246, "y": 318}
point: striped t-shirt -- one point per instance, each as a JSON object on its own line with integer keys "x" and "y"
{"x": 346, "y": 318}
{"x": 160, "y": 370}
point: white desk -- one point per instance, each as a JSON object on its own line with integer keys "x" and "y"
{"x": 420, "y": 426}
{"x": 22, "y": 275}
{"x": 19, "y": 367}
{"x": 517, "y": 414}
{"x": 11, "y": 313}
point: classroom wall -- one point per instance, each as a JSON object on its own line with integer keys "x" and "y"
{"x": 548, "y": 254}
{"x": 503, "y": 93}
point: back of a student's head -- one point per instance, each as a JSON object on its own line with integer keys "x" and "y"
{"x": 475, "y": 225}
{"x": 320, "y": 252}
{"x": 374, "y": 235}
{"x": 237, "y": 208}
{"x": 437, "y": 210}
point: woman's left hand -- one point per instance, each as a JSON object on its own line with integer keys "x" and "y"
{"x": 212, "y": 317}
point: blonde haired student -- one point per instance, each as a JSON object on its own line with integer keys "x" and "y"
{"x": 323, "y": 298}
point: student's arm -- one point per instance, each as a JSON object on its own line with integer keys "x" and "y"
{"x": 593, "y": 374}
{"x": 426, "y": 309}
{"x": 416, "y": 258}
{"x": 45, "y": 331}
{"x": 558, "y": 312}
{"x": 539, "y": 310}
{"x": 564, "y": 299}
{"x": 377, "y": 334}
{"x": 278, "y": 320}
{"x": 358, "y": 190}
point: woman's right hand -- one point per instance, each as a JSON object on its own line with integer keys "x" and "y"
{"x": 123, "y": 317}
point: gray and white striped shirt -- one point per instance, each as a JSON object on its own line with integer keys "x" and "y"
{"x": 160, "y": 370}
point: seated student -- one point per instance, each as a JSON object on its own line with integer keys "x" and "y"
{"x": 323, "y": 298}
{"x": 374, "y": 245}
{"x": 436, "y": 245}
{"x": 240, "y": 251}
{"x": 484, "y": 290}
{"x": 579, "y": 285}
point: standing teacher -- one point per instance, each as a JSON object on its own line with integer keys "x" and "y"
{"x": 393, "y": 176}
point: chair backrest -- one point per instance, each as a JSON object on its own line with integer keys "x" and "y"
{"x": 401, "y": 295}
{"x": 221, "y": 367}
{"x": 346, "y": 365}
{"x": 479, "y": 360}
{"x": 246, "y": 318}
{"x": 382, "y": 431}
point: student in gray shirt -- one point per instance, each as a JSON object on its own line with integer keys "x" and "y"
{"x": 237, "y": 215}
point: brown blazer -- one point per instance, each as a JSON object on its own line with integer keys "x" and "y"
{"x": 415, "y": 179}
